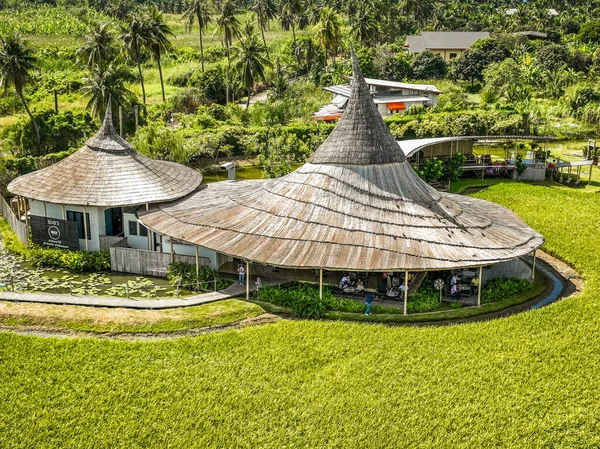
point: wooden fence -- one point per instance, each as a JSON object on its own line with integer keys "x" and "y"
{"x": 17, "y": 226}
{"x": 147, "y": 263}
{"x": 108, "y": 241}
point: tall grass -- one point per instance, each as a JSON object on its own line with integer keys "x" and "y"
{"x": 528, "y": 381}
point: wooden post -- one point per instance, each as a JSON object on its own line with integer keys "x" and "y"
{"x": 45, "y": 210}
{"x": 479, "y": 286}
{"x": 55, "y": 101}
{"x": 405, "y": 290}
{"x": 197, "y": 262}
{"x": 64, "y": 213}
{"x": 136, "y": 113}
{"x": 591, "y": 167}
{"x": 533, "y": 265}
{"x": 149, "y": 233}
{"x": 19, "y": 208}
{"x": 121, "y": 121}
{"x": 321, "y": 284}
{"x": 172, "y": 251}
{"x": 85, "y": 229}
{"x": 247, "y": 279}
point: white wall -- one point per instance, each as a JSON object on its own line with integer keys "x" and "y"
{"x": 190, "y": 250}
{"x": 135, "y": 241}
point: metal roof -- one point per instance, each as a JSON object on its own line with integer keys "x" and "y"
{"x": 444, "y": 40}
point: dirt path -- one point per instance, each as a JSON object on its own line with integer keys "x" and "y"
{"x": 49, "y": 332}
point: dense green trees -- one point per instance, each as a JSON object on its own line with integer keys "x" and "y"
{"x": 16, "y": 64}
{"x": 429, "y": 65}
{"x": 198, "y": 12}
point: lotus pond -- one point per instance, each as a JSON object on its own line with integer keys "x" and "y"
{"x": 17, "y": 275}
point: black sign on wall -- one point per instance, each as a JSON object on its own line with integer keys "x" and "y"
{"x": 54, "y": 233}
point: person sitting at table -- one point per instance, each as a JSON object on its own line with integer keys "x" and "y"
{"x": 343, "y": 282}
{"x": 360, "y": 286}
{"x": 456, "y": 291}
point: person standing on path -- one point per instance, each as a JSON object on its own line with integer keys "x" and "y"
{"x": 241, "y": 274}
{"x": 368, "y": 302}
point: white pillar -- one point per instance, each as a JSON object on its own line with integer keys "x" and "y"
{"x": 405, "y": 290}
{"x": 85, "y": 228}
{"x": 533, "y": 266}
{"x": 46, "y": 210}
{"x": 197, "y": 260}
{"x": 172, "y": 251}
{"x": 321, "y": 284}
{"x": 479, "y": 286}
{"x": 64, "y": 214}
{"x": 247, "y": 279}
{"x": 149, "y": 233}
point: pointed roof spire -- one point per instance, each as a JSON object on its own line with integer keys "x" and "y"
{"x": 361, "y": 137}
{"x": 107, "y": 139}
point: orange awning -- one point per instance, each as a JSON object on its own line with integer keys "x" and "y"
{"x": 396, "y": 105}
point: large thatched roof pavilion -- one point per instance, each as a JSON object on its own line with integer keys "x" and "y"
{"x": 356, "y": 205}
{"x": 102, "y": 181}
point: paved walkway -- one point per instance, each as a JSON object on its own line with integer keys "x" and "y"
{"x": 232, "y": 291}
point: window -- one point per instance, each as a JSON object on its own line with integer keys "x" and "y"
{"x": 133, "y": 228}
{"x": 78, "y": 217}
{"x": 143, "y": 230}
{"x": 453, "y": 55}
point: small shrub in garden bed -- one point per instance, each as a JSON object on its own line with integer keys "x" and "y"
{"x": 502, "y": 288}
{"x": 185, "y": 274}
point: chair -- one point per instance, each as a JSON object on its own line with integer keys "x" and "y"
{"x": 381, "y": 287}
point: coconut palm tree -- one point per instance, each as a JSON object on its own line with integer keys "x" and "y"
{"x": 265, "y": 11}
{"x": 158, "y": 40}
{"x": 104, "y": 83}
{"x": 16, "y": 63}
{"x": 250, "y": 61}
{"x": 98, "y": 47}
{"x": 198, "y": 11}
{"x": 364, "y": 25}
{"x": 135, "y": 36}
{"x": 328, "y": 31}
{"x": 292, "y": 15}
{"x": 228, "y": 27}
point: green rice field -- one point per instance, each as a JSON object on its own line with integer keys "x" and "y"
{"x": 528, "y": 381}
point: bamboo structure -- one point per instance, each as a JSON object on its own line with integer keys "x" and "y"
{"x": 107, "y": 172}
{"x": 357, "y": 204}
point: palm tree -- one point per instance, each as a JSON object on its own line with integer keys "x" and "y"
{"x": 158, "y": 40}
{"x": 98, "y": 47}
{"x": 265, "y": 11}
{"x": 104, "y": 83}
{"x": 364, "y": 25}
{"x": 250, "y": 62}
{"x": 198, "y": 11}
{"x": 16, "y": 62}
{"x": 228, "y": 27}
{"x": 290, "y": 16}
{"x": 135, "y": 38}
{"x": 328, "y": 31}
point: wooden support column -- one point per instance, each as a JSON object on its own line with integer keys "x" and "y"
{"x": 405, "y": 290}
{"x": 590, "y": 178}
{"x": 46, "y": 210}
{"x": 533, "y": 265}
{"x": 172, "y": 251}
{"x": 64, "y": 213}
{"x": 85, "y": 228}
{"x": 149, "y": 232}
{"x": 19, "y": 208}
{"x": 197, "y": 262}
{"x": 321, "y": 284}
{"x": 479, "y": 286}
{"x": 247, "y": 279}
{"x": 121, "y": 121}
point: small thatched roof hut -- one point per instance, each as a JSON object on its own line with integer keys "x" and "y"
{"x": 357, "y": 204}
{"x": 107, "y": 172}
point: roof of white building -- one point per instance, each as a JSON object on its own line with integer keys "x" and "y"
{"x": 444, "y": 40}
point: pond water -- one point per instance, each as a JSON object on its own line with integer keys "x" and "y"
{"x": 17, "y": 275}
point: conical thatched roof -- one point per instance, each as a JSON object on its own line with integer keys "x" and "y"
{"x": 357, "y": 204}
{"x": 107, "y": 172}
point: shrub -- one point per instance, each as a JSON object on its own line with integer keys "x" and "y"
{"x": 184, "y": 274}
{"x": 427, "y": 299}
{"x": 502, "y": 288}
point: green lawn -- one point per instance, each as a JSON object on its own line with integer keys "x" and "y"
{"x": 528, "y": 381}
{"x": 105, "y": 320}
